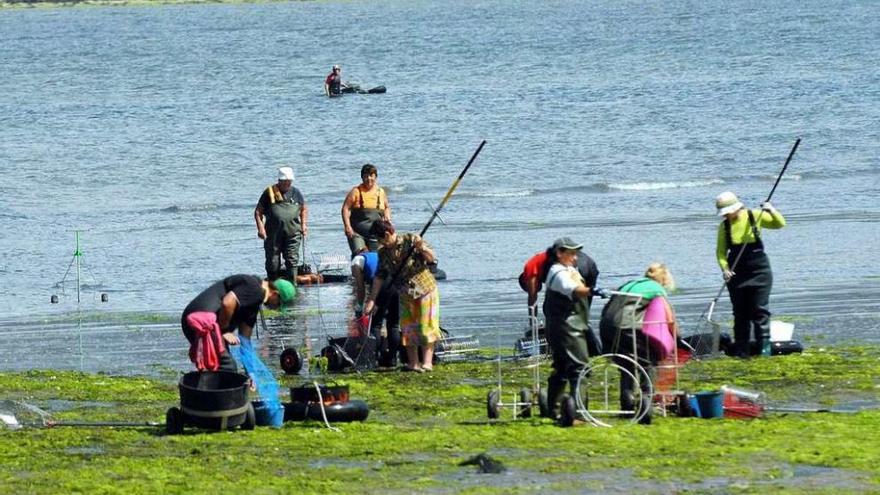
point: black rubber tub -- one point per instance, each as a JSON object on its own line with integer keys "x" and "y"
{"x": 215, "y": 400}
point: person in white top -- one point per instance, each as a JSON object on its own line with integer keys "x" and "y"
{"x": 566, "y": 307}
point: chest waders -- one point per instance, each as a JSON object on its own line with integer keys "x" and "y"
{"x": 749, "y": 292}
{"x": 362, "y": 219}
{"x": 567, "y": 335}
{"x": 283, "y": 234}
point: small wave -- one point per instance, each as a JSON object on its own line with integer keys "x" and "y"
{"x": 179, "y": 208}
{"x": 653, "y": 186}
{"x": 516, "y": 193}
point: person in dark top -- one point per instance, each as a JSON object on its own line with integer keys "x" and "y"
{"x": 364, "y": 267}
{"x": 236, "y": 301}
{"x": 333, "y": 83}
{"x": 282, "y": 216}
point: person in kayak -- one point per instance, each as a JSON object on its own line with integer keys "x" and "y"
{"x": 210, "y": 320}
{"x": 624, "y": 314}
{"x": 363, "y": 206}
{"x": 333, "y": 84}
{"x": 416, "y": 287}
{"x": 281, "y": 216}
{"x": 566, "y": 311}
{"x": 749, "y": 278}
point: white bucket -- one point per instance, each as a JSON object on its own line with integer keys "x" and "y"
{"x": 781, "y": 331}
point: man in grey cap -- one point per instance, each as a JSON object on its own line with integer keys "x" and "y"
{"x": 281, "y": 216}
{"x": 566, "y": 311}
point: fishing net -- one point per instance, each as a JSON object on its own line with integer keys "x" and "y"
{"x": 269, "y": 410}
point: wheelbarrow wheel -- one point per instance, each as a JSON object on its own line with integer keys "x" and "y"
{"x": 250, "y": 418}
{"x": 290, "y": 361}
{"x": 569, "y": 412}
{"x": 492, "y": 404}
{"x": 543, "y": 406}
{"x": 174, "y": 421}
{"x": 335, "y": 361}
{"x": 525, "y": 399}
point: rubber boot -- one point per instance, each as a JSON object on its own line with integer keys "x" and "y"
{"x": 555, "y": 391}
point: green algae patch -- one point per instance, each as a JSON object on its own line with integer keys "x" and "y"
{"x": 422, "y": 426}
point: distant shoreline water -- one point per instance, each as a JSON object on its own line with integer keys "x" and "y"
{"x": 55, "y": 4}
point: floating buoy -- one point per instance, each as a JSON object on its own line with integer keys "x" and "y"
{"x": 104, "y": 297}
{"x": 53, "y": 299}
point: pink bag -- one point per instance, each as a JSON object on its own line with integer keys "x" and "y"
{"x": 656, "y": 328}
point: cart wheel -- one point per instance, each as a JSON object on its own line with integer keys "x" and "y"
{"x": 250, "y": 418}
{"x": 543, "y": 406}
{"x": 525, "y": 399}
{"x": 569, "y": 411}
{"x": 174, "y": 421}
{"x": 290, "y": 361}
{"x": 335, "y": 361}
{"x": 492, "y": 403}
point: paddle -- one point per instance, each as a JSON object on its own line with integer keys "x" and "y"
{"x": 711, "y": 308}
{"x": 436, "y": 212}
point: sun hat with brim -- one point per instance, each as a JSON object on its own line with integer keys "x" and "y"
{"x": 727, "y": 203}
{"x": 567, "y": 243}
{"x": 285, "y": 173}
{"x": 286, "y": 292}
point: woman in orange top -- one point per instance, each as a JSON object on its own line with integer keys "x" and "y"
{"x": 363, "y": 206}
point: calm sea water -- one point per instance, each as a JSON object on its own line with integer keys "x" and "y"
{"x": 154, "y": 130}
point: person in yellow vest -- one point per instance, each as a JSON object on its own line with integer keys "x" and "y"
{"x": 363, "y": 206}
{"x": 282, "y": 222}
{"x": 746, "y": 269}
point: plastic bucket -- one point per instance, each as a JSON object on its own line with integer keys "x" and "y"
{"x": 780, "y": 331}
{"x": 742, "y": 404}
{"x": 695, "y": 406}
{"x": 710, "y": 404}
{"x": 269, "y": 414}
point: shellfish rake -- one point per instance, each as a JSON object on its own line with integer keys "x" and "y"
{"x": 16, "y": 415}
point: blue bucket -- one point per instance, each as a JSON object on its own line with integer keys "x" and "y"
{"x": 269, "y": 413}
{"x": 695, "y": 406}
{"x": 711, "y": 404}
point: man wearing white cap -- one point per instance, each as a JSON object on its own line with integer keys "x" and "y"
{"x": 281, "y": 216}
{"x": 746, "y": 269}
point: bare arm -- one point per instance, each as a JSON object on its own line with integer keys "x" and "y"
{"x": 304, "y": 219}
{"x": 374, "y": 293}
{"x": 533, "y": 286}
{"x": 422, "y": 248}
{"x": 228, "y": 305}
{"x": 346, "y": 213}
{"x": 387, "y": 213}
{"x": 259, "y": 218}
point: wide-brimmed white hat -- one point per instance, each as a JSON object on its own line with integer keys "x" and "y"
{"x": 727, "y": 202}
{"x": 285, "y": 173}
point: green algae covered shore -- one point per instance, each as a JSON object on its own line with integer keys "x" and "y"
{"x": 423, "y": 426}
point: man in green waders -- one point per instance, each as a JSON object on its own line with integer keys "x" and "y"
{"x": 281, "y": 216}
{"x": 746, "y": 269}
